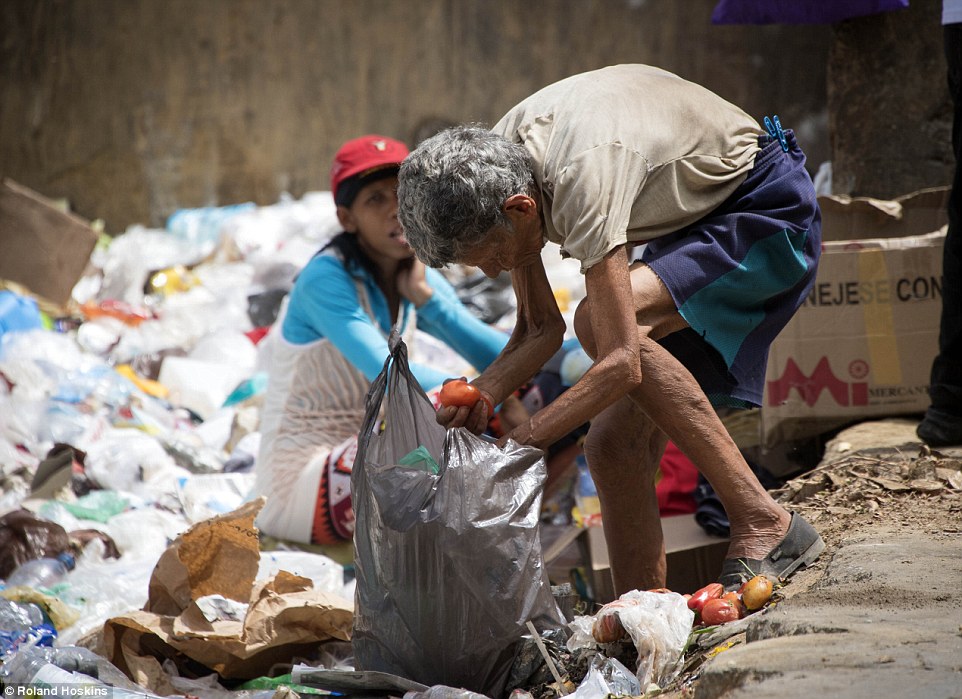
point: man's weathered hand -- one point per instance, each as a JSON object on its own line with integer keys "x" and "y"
{"x": 472, "y": 417}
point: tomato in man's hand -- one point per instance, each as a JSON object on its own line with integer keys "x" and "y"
{"x": 459, "y": 393}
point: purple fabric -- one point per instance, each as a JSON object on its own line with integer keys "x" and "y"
{"x": 798, "y": 11}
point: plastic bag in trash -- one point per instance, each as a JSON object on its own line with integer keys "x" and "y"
{"x": 659, "y": 625}
{"x": 489, "y": 299}
{"x": 607, "y": 677}
{"x": 449, "y": 565}
{"x": 18, "y": 313}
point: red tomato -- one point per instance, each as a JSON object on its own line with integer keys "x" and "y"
{"x": 736, "y": 599}
{"x": 709, "y": 592}
{"x": 459, "y": 393}
{"x": 718, "y": 611}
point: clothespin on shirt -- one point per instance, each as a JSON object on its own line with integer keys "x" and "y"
{"x": 774, "y": 128}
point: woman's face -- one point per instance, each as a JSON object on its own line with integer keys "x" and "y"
{"x": 372, "y": 216}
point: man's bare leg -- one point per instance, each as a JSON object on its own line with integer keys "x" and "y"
{"x": 672, "y": 396}
{"x": 670, "y": 393}
{"x": 675, "y": 402}
{"x": 624, "y": 449}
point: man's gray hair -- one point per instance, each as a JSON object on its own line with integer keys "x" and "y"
{"x": 452, "y": 189}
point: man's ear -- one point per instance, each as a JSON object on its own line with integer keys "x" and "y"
{"x": 346, "y": 219}
{"x": 520, "y": 206}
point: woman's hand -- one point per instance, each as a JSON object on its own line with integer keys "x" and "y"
{"x": 412, "y": 282}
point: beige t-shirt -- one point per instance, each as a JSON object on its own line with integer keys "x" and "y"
{"x": 629, "y": 153}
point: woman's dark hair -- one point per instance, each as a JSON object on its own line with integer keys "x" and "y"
{"x": 347, "y": 245}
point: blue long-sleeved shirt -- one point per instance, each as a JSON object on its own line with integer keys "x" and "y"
{"x": 324, "y": 303}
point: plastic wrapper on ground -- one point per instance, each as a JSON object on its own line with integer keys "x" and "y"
{"x": 657, "y": 623}
{"x": 607, "y": 677}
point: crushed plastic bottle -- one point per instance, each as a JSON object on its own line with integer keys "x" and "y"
{"x": 30, "y": 666}
{"x": 47, "y": 670}
{"x": 23, "y": 623}
{"x": 41, "y": 573}
{"x": 112, "y": 308}
{"x": 75, "y": 659}
{"x": 18, "y": 616}
{"x": 18, "y": 313}
{"x": 201, "y": 228}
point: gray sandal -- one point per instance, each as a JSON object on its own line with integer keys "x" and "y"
{"x": 800, "y": 547}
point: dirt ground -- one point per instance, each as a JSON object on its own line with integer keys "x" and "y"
{"x": 878, "y": 474}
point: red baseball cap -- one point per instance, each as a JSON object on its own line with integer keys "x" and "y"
{"x": 364, "y": 156}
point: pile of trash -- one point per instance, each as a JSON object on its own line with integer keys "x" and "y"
{"x": 128, "y": 419}
{"x": 128, "y": 436}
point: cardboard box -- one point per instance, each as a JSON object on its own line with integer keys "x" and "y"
{"x": 694, "y": 557}
{"x": 43, "y": 248}
{"x": 862, "y": 345}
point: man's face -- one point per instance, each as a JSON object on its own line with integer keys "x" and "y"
{"x": 504, "y": 249}
{"x": 490, "y": 255}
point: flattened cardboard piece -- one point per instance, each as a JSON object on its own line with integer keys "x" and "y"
{"x": 44, "y": 249}
{"x": 846, "y": 218}
{"x": 216, "y": 556}
{"x": 285, "y": 615}
{"x": 861, "y": 346}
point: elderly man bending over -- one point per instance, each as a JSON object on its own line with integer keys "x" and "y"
{"x": 621, "y": 164}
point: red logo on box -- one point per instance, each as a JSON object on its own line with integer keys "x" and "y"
{"x": 810, "y": 387}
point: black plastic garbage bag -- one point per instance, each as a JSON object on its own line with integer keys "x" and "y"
{"x": 447, "y": 549}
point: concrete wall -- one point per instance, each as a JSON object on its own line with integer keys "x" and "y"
{"x": 889, "y": 106}
{"x": 134, "y": 108}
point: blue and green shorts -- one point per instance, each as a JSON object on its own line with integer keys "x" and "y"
{"x": 739, "y": 274}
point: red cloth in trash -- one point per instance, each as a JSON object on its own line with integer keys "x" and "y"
{"x": 257, "y": 334}
{"x": 676, "y": 487}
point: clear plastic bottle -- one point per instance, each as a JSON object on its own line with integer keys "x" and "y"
{"x": 41, "y": 572}
{"x": 23, "y": 623}
{"x": 586, "y": 496}
{"x": 30, "y": 666}
{"x": 16, "y": 616}
{"x": 69, "y": 665}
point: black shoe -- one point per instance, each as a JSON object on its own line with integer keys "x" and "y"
{"x": 940, "y": 429}
{"x": 800, "y": 547}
